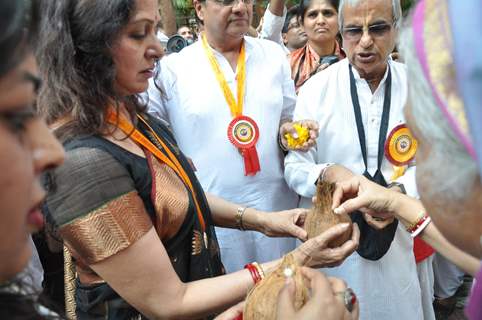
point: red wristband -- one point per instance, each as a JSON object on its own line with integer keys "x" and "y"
{"x": 412, "y": 228}
{"x": 254, "y": 272}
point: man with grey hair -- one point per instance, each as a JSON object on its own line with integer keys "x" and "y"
{"x": 358, "y": 102}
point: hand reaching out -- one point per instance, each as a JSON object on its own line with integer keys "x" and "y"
{"x": 316, "y": 253}
{"x": 287, "y": 223}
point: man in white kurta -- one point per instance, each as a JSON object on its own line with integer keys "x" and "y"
{"x": 387, "y": 288}
{"x": 194, "y": 106}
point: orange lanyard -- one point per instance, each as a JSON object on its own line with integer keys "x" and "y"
{"x": 169, "y": 160}
{"x": 235, "y": 107}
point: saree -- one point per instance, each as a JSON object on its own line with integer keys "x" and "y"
{"x": 105, "y": 198}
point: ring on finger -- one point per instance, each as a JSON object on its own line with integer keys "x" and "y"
{"x": 349, "y": 298}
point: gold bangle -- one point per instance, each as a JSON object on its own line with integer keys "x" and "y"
{"x": 239, "y": 217}
{"x": 417, "y": 221}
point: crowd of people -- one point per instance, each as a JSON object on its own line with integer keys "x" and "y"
{"x": 138, "y": 184}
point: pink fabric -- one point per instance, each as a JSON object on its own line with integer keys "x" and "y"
{"x": 474, "y": 308}
{"x": 418, "y": 32}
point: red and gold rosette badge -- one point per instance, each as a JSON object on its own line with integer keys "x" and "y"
{"x": 400, "y": 146}
{"x": 243, "y": 132}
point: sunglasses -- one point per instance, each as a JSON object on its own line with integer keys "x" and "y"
{"x": 228, "y": 3}
{"x": 375, "y": 31}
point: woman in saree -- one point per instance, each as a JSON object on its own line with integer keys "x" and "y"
{"x": 319, "y": 19}
{"x": 127, "y": 203}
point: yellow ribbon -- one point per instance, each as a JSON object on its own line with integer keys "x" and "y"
{"x": 235, "y": 107}
{"x": 398, "y": 172}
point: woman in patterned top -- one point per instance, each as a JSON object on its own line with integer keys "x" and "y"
{"x": 126, "y": 202}
{"x": 319, "y": 19}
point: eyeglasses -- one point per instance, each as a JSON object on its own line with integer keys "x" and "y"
{"x": 293, "y": 25}
{"x": 228, "y": 3}
{"x": 375, "y": 31}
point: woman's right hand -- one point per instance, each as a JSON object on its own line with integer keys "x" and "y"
{"x": 359, "y": 193}
{"x": 315, "y": 252}
{"x": 326, "y": 301}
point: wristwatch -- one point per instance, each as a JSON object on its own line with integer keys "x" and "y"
{"x": 321, "y": 177}
{"x": 397, "y": 184}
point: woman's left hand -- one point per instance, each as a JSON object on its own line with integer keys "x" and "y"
{"x": 288, "y": 127}
{"x": 288, "y": 223}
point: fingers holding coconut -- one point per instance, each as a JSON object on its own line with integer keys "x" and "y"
{"x": 316, "y": 252}
{"x": 287, "y": 223}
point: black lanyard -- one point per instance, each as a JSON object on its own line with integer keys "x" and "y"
{"x": 373, "y": 243}
{"x": 384, "y": 123}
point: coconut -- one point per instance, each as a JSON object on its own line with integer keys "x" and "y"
{"x": 262, "y": 300}
{"x": 321, "y": 217}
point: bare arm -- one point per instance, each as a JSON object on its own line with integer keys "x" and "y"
{"x": 408, "y": 208}
{"x": 281, "y": 223}
{"x": 375, "y": 200}
{"x": 224, "y": 214}
{"x": 143, "y": 275}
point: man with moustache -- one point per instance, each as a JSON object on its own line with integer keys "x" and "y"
{"x": 358, "y": 102}
{"x": 215, "y": 130}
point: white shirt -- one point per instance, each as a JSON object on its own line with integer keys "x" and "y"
{"x": 199, "y": 116}
{"x": 327, "y": 99}
{"x": 272, "y": 28}
{"x": 387, "y": 288}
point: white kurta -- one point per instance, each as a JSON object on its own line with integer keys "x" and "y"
{"x": 387, "y": 288}
{"x": 197, "y": 111}
{"x": 272, "y": 28}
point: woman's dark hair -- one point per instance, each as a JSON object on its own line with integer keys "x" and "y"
{"x": 75, "y": 59}
{"x": 305, "y": 4}
{"x": 18, "y": 31}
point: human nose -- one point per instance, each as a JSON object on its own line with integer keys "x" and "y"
{"x": 155, "y": 51}
{"x": 46, "y": 149}
{"x": 320, "y": 19}
{"x": 366, "y": 39}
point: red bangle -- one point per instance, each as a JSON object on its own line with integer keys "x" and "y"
{"x": 412, "y": 228}
{"x": 254, "y": 272}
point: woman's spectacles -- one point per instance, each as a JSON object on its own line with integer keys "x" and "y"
{"x": 375, "y": 31}
{"x": 228, "y": 3}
